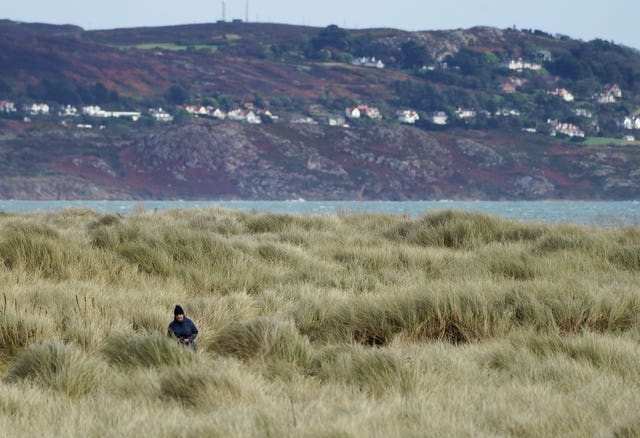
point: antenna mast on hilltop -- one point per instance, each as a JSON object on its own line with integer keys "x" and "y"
{"x": 246, "y": 11}
{"x": 224, "y": 10}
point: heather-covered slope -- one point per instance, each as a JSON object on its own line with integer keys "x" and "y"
{"x": 491, "y": 140}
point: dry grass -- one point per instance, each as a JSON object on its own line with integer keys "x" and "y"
{"x": 453, "y": 324}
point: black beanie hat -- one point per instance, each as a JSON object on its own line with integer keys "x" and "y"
{"x": 178, "y": 310}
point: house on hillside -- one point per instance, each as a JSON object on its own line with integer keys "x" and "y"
{"x": 252, "y": 118}
{"x": 68, "y": 111}
{"x": 133, "y": 115}
{"x": 359, "y": 111}
{"x": 237, "y": 115}
{"x": 197, "y": 110}
{"x": 581, "y": 112}
{"x": 631, "y": 123}
{"x": 563, "y": 93}
{"x": 218, "y": 114}
{"x": 408, "y": 116}
{"x": 243, "y": 115}
{"x": 611, "y": 93}
{"x": 614, "y": 90}
{"x": 511, "y": 84}
{"x": 267, "y": 116}
{"x": 370, "y": 111}
{"x": 465, "y": 113}
{"x": 7, "y": 106}
{"x": 368, "y": 62}
{"x": 507, "y": 112}
{"x": 439, "y": 118}
{"x": 36, "y": 109}
{"x": 336, "y": 120}
{"x": 352, "y": 113}
{"x": 160, "y": 115}
{"x": 520, "y": 65}
{"x": 568, "y": 129}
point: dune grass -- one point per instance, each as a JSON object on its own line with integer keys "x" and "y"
{"x": 451, "y": 324}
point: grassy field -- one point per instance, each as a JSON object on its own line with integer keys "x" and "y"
{"x": 608, "y": 141}
{"x": 173, "y": 47}
{"x": 452, "y": 324}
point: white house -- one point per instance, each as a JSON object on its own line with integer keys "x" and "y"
{"x": 631, "y": 123}
{"x": 611, "y": 93}
{"x": 241, "y": 115}
{"x": 565, "y": 128}
{"x": 238, "y": 115}
{"x": 252, "y": 118}
{"x": 96, "y": 111}
{"x": 352, "y": 113}
{"x": 7, "y": 106}
{"x": 520, "y": 65}
{"x": 370, "y": 111}
{"x": 218, "y": 114}
{"x": 408, "y": 116}
{"x": 68, "y": 111}
{"x": 465, "y": 113}
{"x": 336, "y": 120}
{"x": 368, "y": 62}
{"x": 197, "y": 110}
{"x": 266, "y": 114}
{"x": 37, "y": 109}
{"x": 581, "y": 112}
{"x": 506, "y": 112}
{"x": 562, "y": 92}
{"x": 439, "y": 118}
{"x": 614, "y": 90}
{"x": 160, "y": 115}
{"x": 134, "y": 115}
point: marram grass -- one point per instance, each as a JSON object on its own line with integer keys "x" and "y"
{"x": 451, "y": 324}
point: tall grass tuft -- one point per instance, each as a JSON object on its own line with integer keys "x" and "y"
{"x": 461, "y": 230}
{"x": 263, "y": 338}
{"x": 19, "y": 331}
{"x": 58, "y": 366}
{"x": 626, "y": 257}
{"x": 376, "y": 371}
{"x": 145, "y": 350}
{"x": 206, "y": 389}
{"x": 36, "y": 248}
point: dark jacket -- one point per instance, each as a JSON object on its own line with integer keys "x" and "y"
{"x": 184, "y": 330}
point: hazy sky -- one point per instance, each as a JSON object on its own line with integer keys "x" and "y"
{"x": 612, "y": 20}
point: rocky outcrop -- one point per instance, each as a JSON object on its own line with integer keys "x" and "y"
{"x": 208, "y": 159}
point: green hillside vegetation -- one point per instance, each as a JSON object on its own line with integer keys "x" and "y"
{"x": 451, "y": 324}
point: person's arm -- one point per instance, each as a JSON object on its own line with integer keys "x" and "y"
{"x": 194, "y": 332}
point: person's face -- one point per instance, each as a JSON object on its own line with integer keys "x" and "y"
{"x": 180, "y": 318}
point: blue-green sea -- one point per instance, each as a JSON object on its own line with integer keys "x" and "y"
{"x": 600, "y": 213}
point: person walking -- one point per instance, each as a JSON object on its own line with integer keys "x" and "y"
{"x": 183, "y": 328}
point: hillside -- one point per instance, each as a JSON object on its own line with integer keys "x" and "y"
{"x": 267, "y": 111}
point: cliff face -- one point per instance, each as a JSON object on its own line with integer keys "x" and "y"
{"x": 226, "y": 160}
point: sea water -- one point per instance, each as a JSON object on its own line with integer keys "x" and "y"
{"x": 598, "y": 213}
